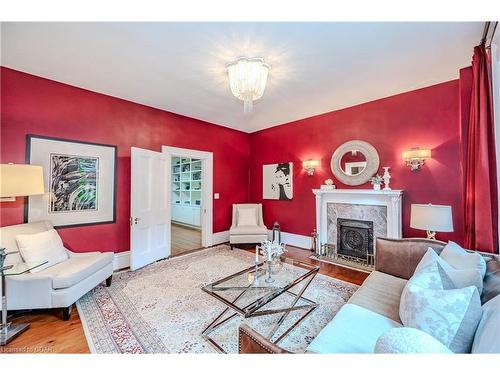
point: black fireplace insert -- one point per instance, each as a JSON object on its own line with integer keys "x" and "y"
{"x": 354, "y": 238}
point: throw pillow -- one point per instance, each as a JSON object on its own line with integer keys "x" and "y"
{"x": 40, "y": 247}
{"x": 491, "y": 281}
{"x": 460, "y": 259}
{"x": 429, "y": 258}
{"x": 487, "y": 335}
{"x": 409, "y": 341}
{"x": 440, "y": 275}
{"x": 449, "y": 315}
{"x": 247, "y": 217}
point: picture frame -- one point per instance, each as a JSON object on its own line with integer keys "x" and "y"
{"x": 277, "y": 181}
{"x": 79, "y": 179}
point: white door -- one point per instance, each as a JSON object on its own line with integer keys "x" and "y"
{"x": 150, "y": 207}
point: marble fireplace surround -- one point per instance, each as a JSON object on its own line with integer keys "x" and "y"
{"x": 380, "y": 205}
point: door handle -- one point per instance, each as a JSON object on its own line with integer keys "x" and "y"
{"x": 136, "y": 220}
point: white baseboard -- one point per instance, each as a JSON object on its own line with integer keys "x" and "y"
{"x": 121, "y": 260}
{"x": 293, "y": 239}
{"x": 220, "y": 237}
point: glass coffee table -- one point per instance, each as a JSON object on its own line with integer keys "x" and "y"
{"x": 248, "y": 293}
{"x": 9, "y": 331}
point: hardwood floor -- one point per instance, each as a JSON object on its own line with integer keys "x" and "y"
{"x": 50, "y": 334}
{"x": 184, "y": 239}
{"x": 337, "y": 272}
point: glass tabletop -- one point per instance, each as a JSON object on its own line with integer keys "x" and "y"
{"x": 20, "y": 268}
{"x": 248, "y": 290}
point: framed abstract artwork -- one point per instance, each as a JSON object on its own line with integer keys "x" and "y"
{"x": 79, "y": 178}
{"x": 277, "y": 181}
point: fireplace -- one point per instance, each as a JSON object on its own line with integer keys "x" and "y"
{"x": 348, "y": 222}
{"x": 354, "y": 238}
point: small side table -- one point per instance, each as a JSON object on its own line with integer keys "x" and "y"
{"x": 9, "y": 331}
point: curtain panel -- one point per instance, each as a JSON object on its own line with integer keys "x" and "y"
{"x": 481, "y": 190}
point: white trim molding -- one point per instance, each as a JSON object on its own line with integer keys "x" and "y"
{"x": 292, "y": 239}
{"x": 121, "y": 260}
{"x": 220, "y": 237}
{"x": 207, "y": 159}
{"x": 388, "y": 198}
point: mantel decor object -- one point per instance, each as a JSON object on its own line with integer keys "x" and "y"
{"x": 328, "y": 185}
{"x": 387, "y": 178}
{"x": 376, "y": 181}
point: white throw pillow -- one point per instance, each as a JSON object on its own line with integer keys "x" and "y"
{"x": 40, "y": 247}
{"x": 247, "y": 217}
{"x": 409, "y": 341}
{"x": 449, "y": 315}
{"x": 449, "y": 277}
{"x": 459, "y": 258}
{"x": 487, "y": 338}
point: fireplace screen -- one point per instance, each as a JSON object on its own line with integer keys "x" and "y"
{"x": 354, "y": 238}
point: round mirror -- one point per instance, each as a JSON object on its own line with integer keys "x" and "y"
{"x": 355, "y": 162}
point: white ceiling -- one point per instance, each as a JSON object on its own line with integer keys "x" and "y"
{"x": 180, "y": 67}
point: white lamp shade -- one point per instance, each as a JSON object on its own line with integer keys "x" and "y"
{"x": 18, "y": 180}
{"x": 310, "y": 164}
{"x": 431, "y": 217}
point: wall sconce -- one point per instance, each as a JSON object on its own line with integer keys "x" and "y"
{"x": 415, "y": 157}
{"x": 309, "y": 166}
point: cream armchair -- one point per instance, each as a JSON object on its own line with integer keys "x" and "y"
{"x": 58, "y": 286}
{"x": 248, "y": 224}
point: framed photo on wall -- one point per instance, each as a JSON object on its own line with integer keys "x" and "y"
{"x": 277, "y": 181}
{"x": 79, "y": 178}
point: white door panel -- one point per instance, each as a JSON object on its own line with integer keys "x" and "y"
{"x": 150, "y": 207}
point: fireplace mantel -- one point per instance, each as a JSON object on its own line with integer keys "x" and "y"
{"x": 388, "y": 198}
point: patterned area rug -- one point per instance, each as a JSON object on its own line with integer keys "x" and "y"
{"x": 161, "y": 308}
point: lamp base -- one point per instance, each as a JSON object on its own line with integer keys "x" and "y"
{"x": 431, "y": 235}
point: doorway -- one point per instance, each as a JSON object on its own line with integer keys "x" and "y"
{"x": 191, "y": 199}
{"x": 186, "y": 188}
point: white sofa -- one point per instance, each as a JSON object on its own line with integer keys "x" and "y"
{"x": 240, "y": 234}
{"x": 58, "y": 286}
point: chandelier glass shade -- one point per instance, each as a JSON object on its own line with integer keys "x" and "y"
{"x": 247, "y": 80}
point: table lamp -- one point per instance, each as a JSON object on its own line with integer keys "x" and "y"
{"x": 20, "y": 180}
{"x": 432, "y": 218}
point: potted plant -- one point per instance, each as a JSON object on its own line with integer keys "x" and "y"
{"x": 376, "y": 182}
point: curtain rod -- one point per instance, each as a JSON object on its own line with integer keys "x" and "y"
{"x": 485, "y": 32}
{"x": 493, "y": 34}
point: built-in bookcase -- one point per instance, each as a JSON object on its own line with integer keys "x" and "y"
{"x": 186, "y": 190}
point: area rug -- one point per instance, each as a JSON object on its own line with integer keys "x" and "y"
{"x": 162, "y": 309}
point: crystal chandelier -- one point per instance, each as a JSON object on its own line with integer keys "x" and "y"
{"x": 247, "y": 79}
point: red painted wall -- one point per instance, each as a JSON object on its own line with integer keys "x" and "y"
{"x": 428, "y": 117}
{"x": 30, "y": 104}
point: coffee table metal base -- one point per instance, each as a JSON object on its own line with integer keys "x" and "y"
{"x": 11, "y": 332}
{"x": 309, "y": 307}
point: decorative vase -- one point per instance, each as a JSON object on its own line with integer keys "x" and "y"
{"x": 387, "y": 178}
{"x": 376, "y": 186}
{"x": 269, "y": 278}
